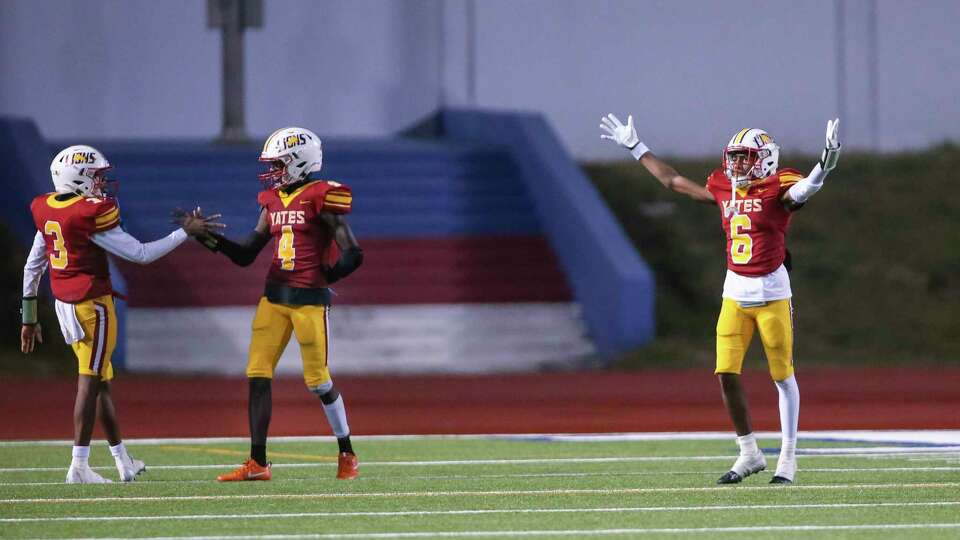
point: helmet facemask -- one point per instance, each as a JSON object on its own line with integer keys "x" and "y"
{"x": 103, "y": 187}
{"x": 742, "y": 165}
{"x": 276, "y": 173}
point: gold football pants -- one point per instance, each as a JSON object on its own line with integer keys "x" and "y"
{"x": 272, "y": 326}
{"x": 735, "y": 328}
{"x": 98, "y": 317}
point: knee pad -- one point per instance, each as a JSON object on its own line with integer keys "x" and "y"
{"x": 326, "y": 392}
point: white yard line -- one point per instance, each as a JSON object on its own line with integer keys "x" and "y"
{"x": 568, "y": 532}
{"x": 531, "y": 461}
{"x": 628, "y": 509}
{"x": 480, "y": 493}
{"x": 538, "y": 475}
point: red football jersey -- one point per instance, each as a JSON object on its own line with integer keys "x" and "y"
{"x": 78, "y": 267}
{"x": 756, "y": 235}
{"x": 304, "y": 243}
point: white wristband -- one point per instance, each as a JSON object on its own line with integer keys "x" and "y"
{"x": 639, "y": 150}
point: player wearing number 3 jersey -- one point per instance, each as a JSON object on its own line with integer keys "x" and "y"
{"x": 77, "y": 225}
{"x": 756, "y": 201}
{"x": 313, "y": 248}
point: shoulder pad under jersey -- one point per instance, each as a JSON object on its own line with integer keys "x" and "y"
{"x": 265, "y": 196}
{"x": 104, "y": 212}
{"x": 335, "y": 197}
{"x": 717, "y": 178}
{"x": 789, "y": 177}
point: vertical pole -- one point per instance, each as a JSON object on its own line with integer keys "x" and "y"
{"x": 441, "y": 56}
{"x": 471, "y": 39}
{"x": 234, "y": 129}
{"x": 841, "y": 62}
{"x": 873, "y": 75}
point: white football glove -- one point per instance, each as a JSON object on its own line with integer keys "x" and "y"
{"x": 831, "y": 151}
{"x": 624, "y": 135}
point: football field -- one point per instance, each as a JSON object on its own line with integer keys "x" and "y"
{"x": 850, "y": 485}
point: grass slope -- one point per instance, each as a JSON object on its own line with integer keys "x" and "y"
{"x": 875, "y": 260}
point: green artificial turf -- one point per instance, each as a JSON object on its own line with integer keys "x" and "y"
{"x": 442, "y": 487}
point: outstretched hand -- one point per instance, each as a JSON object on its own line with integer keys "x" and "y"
{"x": 195, "y": 223}
{"x": 831, "y": 149}
{"x": 30, "y": 335}
{"x": 624, "y": 135}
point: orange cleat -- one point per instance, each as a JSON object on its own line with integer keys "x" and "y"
{"x": 251, "y": 470}
{"x": 347, "y": 466}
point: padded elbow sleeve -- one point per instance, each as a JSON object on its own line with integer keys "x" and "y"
{"x": 241, "y": 253}
{"x": 350, "y": 260}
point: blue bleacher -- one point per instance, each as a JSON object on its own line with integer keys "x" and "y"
{"x": 402, "y": 188}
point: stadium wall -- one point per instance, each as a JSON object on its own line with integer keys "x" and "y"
{"x": 610, "y": 280}
{"x": 690, "y": 72}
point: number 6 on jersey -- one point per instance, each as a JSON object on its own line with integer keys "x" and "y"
{"x": 741, "y": 245}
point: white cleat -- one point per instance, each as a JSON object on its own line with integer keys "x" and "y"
{"x": 744, "y": 467}
{"x": 84, "y": 475}
{"x": 786, "y": 471}
{"x": 129, "y": 468}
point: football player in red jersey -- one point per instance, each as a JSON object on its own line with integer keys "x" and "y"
{"x": 313, "y": 248}
{"x": 77, "y": 225}
{"x": 756, "y": 201}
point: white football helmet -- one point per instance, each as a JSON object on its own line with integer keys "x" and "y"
{"x": 292, "y": 153}
{"x": 763, "y": 155}
{"x": 80, "y": 169}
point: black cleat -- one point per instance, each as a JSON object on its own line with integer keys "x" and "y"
{"x": 730, "y": 477}
{"x": 780, "y": 480}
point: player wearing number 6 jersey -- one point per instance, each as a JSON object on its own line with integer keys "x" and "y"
{"x": 756, "y": 201}
{"x": 77, "y": 225}
{"x": 313, "y": 247}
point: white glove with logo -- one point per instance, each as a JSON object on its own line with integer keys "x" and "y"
{"x": 624, "y": 135}
{"x": 831, "y": 152}
{"x": 804, "y": 189}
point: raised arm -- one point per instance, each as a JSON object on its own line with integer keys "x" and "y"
{"x": 626, "y": 136}
{"x": 799, "y": 193}
{"x": 351, "y": 255}
{"x": 120, "y": 243}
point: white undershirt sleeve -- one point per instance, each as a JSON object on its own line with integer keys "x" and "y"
{"x": 121, "y": 244}
{"x": 35, "y": 267}
{"x": 804, "y": 189}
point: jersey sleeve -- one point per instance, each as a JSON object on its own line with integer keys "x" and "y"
{"x": 788, "y": 177}
{"x": 263, "y": 199}
{"x": 336, "y": 199}
{"x": 716, "y": 176}
{"x": 106, "y": 215}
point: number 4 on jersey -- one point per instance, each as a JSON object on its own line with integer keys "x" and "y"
{"x": 285, "y": 250}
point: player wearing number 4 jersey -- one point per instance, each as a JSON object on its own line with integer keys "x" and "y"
{"x": 313, "y": 248}
{"x": 77, "y": 225}
{"x": 756, "y": 201}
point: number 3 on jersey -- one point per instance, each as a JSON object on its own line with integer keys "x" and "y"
{"x": 58, "y": 257}
{"x": 741, "y": 245}
{"x": 285, "y": 250}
